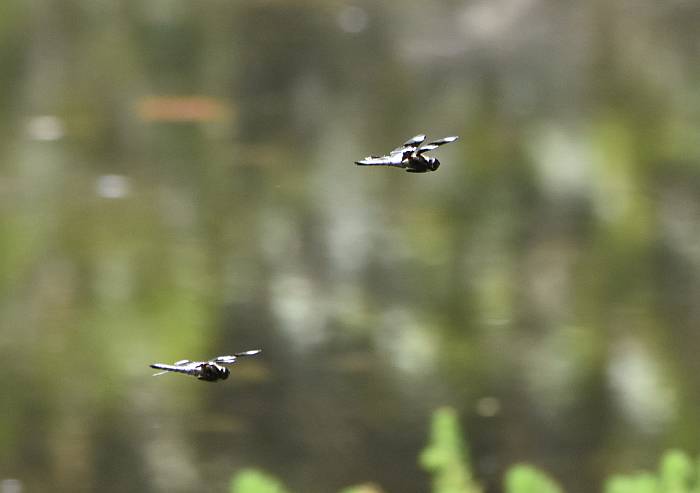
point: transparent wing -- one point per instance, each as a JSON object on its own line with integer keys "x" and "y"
{"x": 436, "y": 143}
{"x": 229, "y": 360}
{"x": 183, "y": 366}
{"x": 394, "y": 159}
{"x": 224, "y": 360}
{"x": 411, "y": 144}
{"x": 251, "y": 352}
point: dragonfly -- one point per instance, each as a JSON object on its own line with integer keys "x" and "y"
{"x": 210, "y": 371}
{"x": 410, "y": 155}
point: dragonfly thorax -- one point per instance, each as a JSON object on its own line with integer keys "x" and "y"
{"x": 212, "y": 372}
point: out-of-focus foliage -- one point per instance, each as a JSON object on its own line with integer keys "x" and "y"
{"x": 254, "y": 481}
{"x": 635, "y": 483}
{"x": 678, "y": 473}
{"x": 523, "y": 478}
{"x": 446, "y": 458}
{"x": 363, "y": 488}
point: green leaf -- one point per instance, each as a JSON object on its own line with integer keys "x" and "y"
{"x": 638, "y": 483}
{"x": 676, "y": 472}
{"x": 254, "y": 481}
{"x": 527, "y": 479}
{"x": 446, "y": 456}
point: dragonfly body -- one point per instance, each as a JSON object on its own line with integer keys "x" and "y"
{"x": 410, "y": 156}
{"x": 209, "y": 371}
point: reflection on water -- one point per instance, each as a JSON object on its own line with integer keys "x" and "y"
{"x": 178, "y": 180}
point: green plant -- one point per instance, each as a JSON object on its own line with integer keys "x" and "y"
{"x": 526, "y": 479}
{"x": 446, "y": 457}
{"x": 254, "y": 481}
{"x": 677, "y": 474}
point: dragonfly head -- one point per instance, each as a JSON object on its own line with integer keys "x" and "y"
{"x": 433, "y": 163}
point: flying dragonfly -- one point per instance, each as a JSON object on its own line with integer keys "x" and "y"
{"x": 410, "y": 155}
{"x": 211, "y": 371}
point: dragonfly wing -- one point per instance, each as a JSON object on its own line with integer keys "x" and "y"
{"x": 252, "y": 352}
{"x": 411, "y": 143}
{"x": 436, "y": 143}
{"x": 187, "y": 369}
{"x": 229, "y": 360}
{"x": 224, "y": 360}
{"x": 393, "y": 159}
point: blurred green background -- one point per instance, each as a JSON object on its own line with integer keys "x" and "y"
{"x": 177, "y": 181}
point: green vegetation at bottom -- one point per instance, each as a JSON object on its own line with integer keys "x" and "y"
{"x": 254, "y": 481}
{"x": 446, "y": 459}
